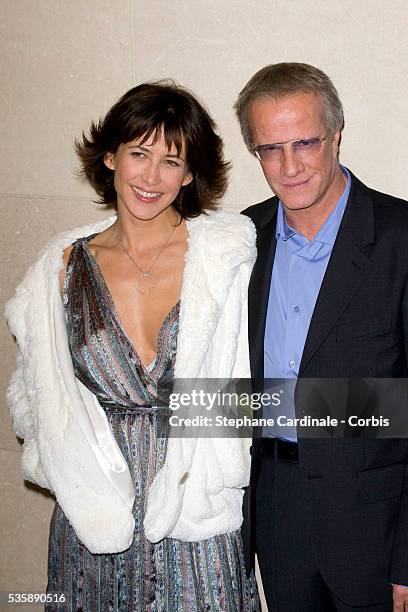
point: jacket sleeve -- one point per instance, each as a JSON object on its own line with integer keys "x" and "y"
{"x": 399, "y": 554}
{"x": 69, "y": 447}
{"x": 18, "y": 393}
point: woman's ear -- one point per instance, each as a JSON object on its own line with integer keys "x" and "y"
{"x": 109, "y": 161}
{"x": 187, "y": 179}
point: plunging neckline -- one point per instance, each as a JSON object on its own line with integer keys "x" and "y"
{"x": 152, "y": 365}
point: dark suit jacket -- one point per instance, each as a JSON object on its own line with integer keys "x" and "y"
{"x": 356, "y": 489}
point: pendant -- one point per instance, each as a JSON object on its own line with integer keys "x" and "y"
{"x": 145, "y": 283}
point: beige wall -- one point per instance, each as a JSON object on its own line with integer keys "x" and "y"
{"x": 63, "y": 63}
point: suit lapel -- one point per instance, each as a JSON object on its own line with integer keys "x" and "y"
{"x": 346, "y": 270}
{"x": 258, "y": 295}
{"x": 345, "y": 273}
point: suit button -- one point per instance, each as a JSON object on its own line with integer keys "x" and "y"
{"x": 184, "y": 478}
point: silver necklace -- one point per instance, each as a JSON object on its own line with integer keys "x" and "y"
{"x": 145, "y": 282}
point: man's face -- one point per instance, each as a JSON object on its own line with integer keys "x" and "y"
{"x": 300, "y": 181}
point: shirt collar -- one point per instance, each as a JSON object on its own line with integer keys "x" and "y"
{"x": 328, "y": 232}
{"x": 283, "y": 231}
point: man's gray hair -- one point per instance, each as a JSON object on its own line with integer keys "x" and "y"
{"x": 279, "y": 80}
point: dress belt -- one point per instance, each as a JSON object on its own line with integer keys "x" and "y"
{"x": 280, "y": 449}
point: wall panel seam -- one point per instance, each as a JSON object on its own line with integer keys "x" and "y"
{"x": 133, "y": 12}
{"x": 45, "y": 196}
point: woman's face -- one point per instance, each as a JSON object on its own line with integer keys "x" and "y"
{"x": 147, "y": 176}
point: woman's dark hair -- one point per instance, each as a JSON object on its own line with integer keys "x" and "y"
{"x": 152, "y": 109}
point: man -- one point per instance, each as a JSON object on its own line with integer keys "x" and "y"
{"x": 328, "y": 517}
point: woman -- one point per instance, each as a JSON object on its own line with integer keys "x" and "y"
{"x": 156, "y": 292}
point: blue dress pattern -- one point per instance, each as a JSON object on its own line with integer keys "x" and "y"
{"x": 170, "y": 576}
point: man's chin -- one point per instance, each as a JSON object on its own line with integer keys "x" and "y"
{"x": 296, "y": 198}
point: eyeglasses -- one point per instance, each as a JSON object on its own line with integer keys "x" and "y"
{"x": 304, "y": 148}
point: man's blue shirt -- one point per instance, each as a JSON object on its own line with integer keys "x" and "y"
{"x": 297, "y": 275}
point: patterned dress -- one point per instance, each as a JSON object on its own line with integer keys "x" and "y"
{"x": 170, "y": 576}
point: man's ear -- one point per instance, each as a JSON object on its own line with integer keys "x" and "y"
{"x": 109, "y": 161}
{"x": 336, "y": 142}
{"x": 187, "y": 179}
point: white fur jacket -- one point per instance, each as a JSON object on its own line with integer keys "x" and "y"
{"x": 68, "y": 445}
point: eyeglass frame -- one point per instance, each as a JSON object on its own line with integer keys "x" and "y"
{"x": 255, "y": 150}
